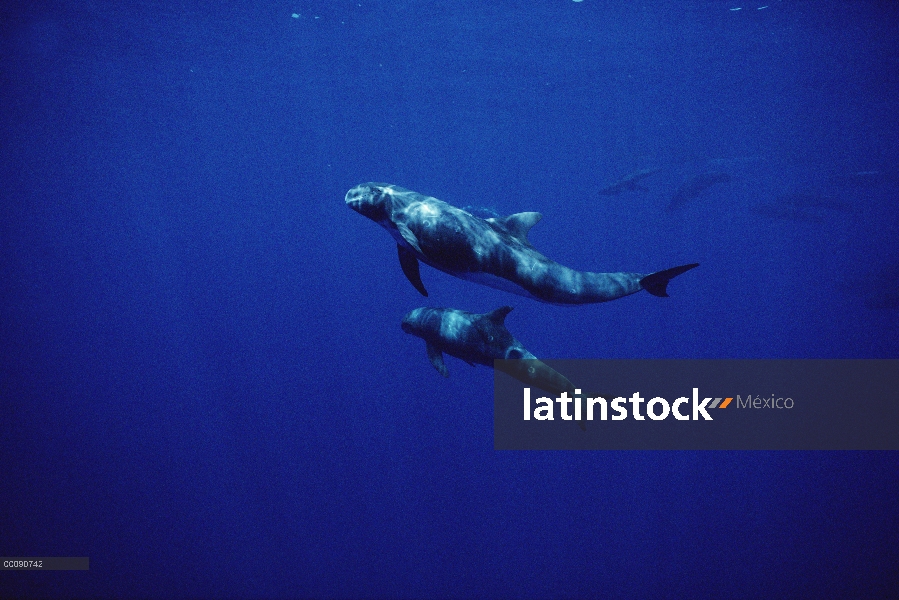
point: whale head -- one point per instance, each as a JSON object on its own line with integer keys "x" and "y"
{"x": 447, "y": 324}
{"x": 412, "y": 322}
{"x": 372, "y": 200}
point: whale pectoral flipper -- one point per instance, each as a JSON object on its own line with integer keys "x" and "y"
{"x": 409, "y": 236}
{"x": 436, "y": 358}
{"x": 656, "y": 283}
{"x": 410, "y": 268}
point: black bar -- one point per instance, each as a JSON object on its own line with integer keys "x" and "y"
{"x": 774, "y": 405}
{"x": 44, "y": 563}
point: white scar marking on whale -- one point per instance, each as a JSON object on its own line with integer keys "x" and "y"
{"x": 428, "y": 210}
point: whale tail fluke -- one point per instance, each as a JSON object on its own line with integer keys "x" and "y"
{"x": 657, "y": 283}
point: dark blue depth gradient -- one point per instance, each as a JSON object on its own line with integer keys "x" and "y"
{"x": 205, "y": 387}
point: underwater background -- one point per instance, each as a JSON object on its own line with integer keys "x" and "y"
{"x": 205, "y": 387}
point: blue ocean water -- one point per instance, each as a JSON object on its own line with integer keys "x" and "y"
{"x": 205, "y": 387}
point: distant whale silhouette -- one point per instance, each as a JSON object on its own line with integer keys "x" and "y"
{"x": 807, "y": 206}
{"x": 629, "y": 183}
{"x": 786, "y": 212}
{"x": 481, "y": 339}
{"x": 814, "y": 200}
{"x": 493, "y": 252}
{"x": 862, "y": 179}
{"x": 880, "y": 288}
{"x": 696, "y": 186}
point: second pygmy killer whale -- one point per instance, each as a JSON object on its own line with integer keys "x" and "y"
{"x": 481, "y": 339}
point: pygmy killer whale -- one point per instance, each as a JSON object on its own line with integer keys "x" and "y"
{"x": 696, "y": 186}
{"x": 629, "y": 183}
{"x": 493, "y": 252}
{"x": 481, "y": 339}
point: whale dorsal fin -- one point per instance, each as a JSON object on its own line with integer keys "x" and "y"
{"x": 519, "y": 224}
{"x": 491, "y": 326}
{"x": 498, "y": 316}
